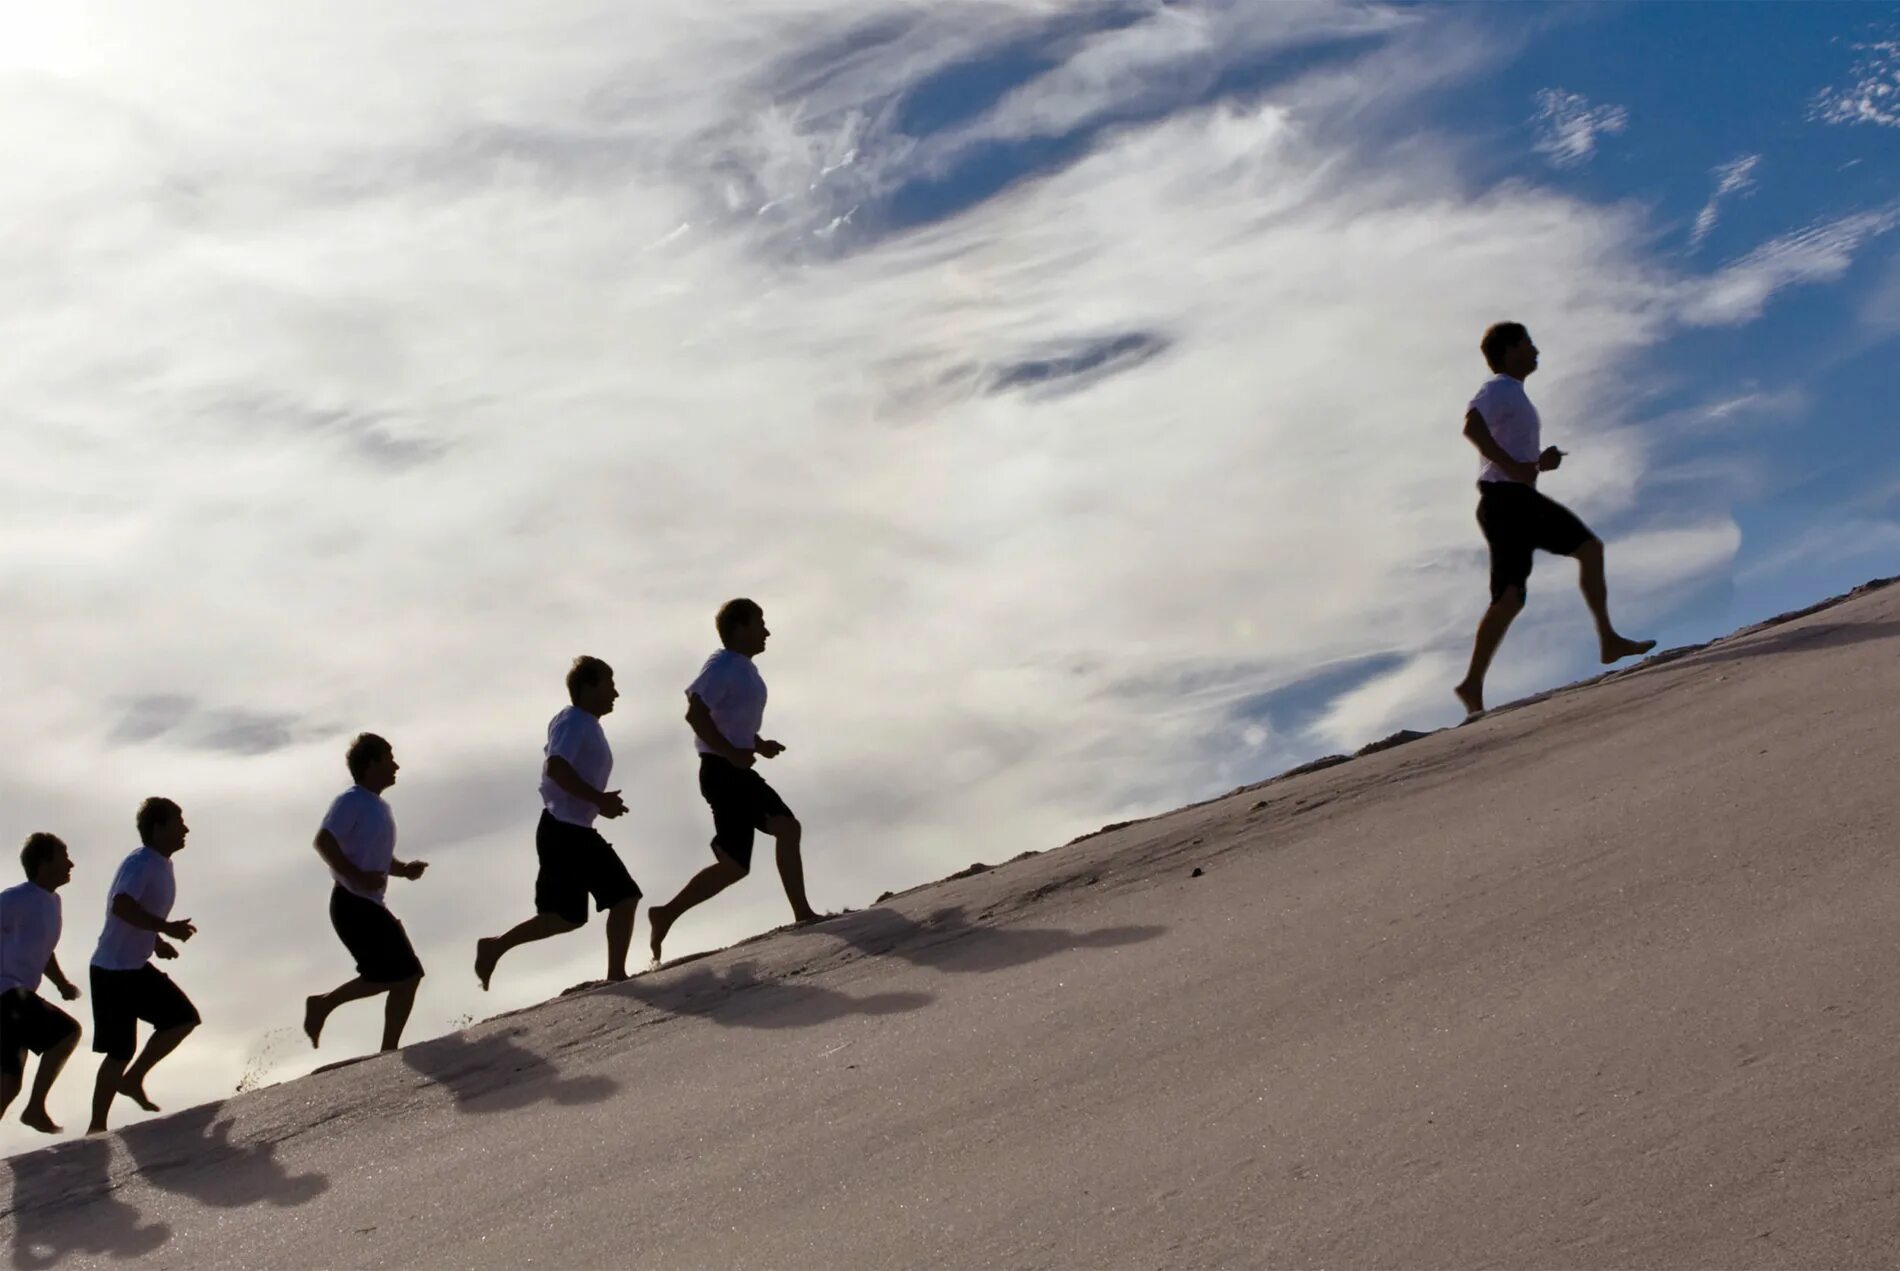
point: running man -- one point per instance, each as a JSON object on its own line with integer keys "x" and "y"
{"x": 1515, "y": 518}
{"x": 30, "y": 922}
{"x": 724, "y": 708}
{"x": 126, "y": 987}
{"x": 575, "y": 860}
{"x": 358, "y": 842}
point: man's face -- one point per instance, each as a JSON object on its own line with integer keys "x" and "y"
{"x": 380, "y": 772}
{"x": 1521, "y": 359}
{"x": 750, "y": 638}
{"x": 55, "y": 872}
{"x": 168, "y": 836}
{"x": 599, "y": 697}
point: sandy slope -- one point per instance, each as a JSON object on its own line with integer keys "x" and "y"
{"x": 1604, "y": 980}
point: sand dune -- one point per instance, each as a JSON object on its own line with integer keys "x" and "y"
{"x": 1604, "y": 979}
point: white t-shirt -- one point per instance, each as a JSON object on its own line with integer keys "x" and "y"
{"x": 364, "y": 827}
{"x": 576, "y": 736}
{"x": 146, "y": 876}
{"x": 734, "y": 692}
{"x": 1507, "y": 411}
{"x": 29, "y": 932}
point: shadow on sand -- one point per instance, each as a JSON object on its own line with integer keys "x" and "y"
{"x": 1793, "y": 639}
{"x": 497, "y": 1074}
{"x": 191, "y": 1153}
{"x": 739, "y": 998}
{"x": 63, "y": 1205}
{"x": 948, "y": 941}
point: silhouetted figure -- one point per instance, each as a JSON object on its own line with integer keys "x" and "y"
{"x": 64, "y": 1204}
{"x": 358, "y": 842}
{"x": 126, "y": 987}
{"x": 574, "y": 859}
{"x": 1516, "y": 519}
{"x": 30, "y": 923}
{"x": 725, "y": 707}
{"x": 192, "y": 1153}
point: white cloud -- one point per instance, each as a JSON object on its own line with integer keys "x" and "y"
{"x": 1739, "y": 291}
{"x": 1568, "y": 126}
{"x": 1872, "y": 93}
{"x": 1733, "y": 177}
{"x": 367, "y": 374}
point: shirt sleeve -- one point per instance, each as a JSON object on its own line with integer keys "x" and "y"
{"x": 341, "y": 819}
{"x": 134, "y": 880}
{"x": 1485, "y": 403}
{"x": 570, "y": 739}
{"x": 713, "y": 684}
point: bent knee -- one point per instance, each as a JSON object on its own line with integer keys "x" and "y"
{"x": 1590, "y": 550}
{"x": 784, "y": 828}
{"x": 1510, "y": 599}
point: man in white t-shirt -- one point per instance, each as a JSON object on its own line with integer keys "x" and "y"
{"x": 1516, "y": 518}
{"x": 725, "y": 706}
{"x": 575, "y": 860}
{"x": 30, "y": 922}
{"x": 126, "y": 987}
{"x": 358, "y": 842}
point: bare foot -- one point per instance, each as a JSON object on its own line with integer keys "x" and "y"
{"x": 134, "y": 1089}
{"x": 486, "y": 956}
{"x": 313, "y": 1016}
{"x": 808, "y": 917}
{"x": 1472, "y": 695}
{"x": 1617, "y": 648}
{"x": 97, "y": 1127}
{"x": 37, "y": 1118}
{"x": 662, "y": 919}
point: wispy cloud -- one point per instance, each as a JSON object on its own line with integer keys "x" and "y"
{"x": 1733, "y": 177}
{"x": 1871, "y": 94}
{"x": 1739, "y": 291}
{"x": 1568, "y": 126}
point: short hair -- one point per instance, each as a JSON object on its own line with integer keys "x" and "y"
{"x": 735, "y": 614}
{"x": 586, "y": 672}
{"x": 366, "y": 747}
{"x": 1499, "y": 339}
{"x": 40, "y": 847}
{"x": 153, "y": 813}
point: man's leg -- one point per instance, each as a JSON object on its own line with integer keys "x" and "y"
{"x": 699, "y": 889}
{"x": 10, "y": 1081}
{"x": 488, "y": 951}
{"x": 317, "y": 1008}
{"x": 157, "y": 1046}
{"x": 1491, "y": 628}
{"x": 620, "y": 935}
{"x": 105, "y": 1087}
{"x": 791, "y": 866}
{"x": 402, "y": 996}
{"x": 51, "y": 1062}
{"x": 1596, "y": 594}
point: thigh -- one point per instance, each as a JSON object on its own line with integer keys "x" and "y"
{"x": 375, "y": 938}
{"x": 1508, "y": 532}
{"x": 763, "y": 803}
{"x": 559, "y": 887}
{"x": 1556, "y": 529}
{"x": 115, "y": 1021}
{"x": 160, "y": 1002}
{"x": 606, "y": 874}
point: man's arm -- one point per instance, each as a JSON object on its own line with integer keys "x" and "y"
{"x": 562, "y": 774}
{"x": 130, "y": 911}
{"x": 1478, "y": 433}
{"x": 411, "y": 870}
{"x": 332, "y": 853}
{"x": 65, "y": 986}
{"x": 699, "y": 716}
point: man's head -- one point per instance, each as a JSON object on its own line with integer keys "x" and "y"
{"x": 1508, "y": 349}
{"x": 45, "y": 860}
{"x": 742, "y": 627}
{"x": 162, "y": 825}
{"x": 372, "y": 763}
{"x": 590, "y": 685}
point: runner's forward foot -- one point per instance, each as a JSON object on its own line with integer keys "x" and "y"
{"x": 1617, "y": 648}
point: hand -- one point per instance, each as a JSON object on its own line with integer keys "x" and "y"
{"x": 69, "y": 991}
{"x": 183, "y": 929}
{"x": 1549, "y": 460}
{"x": 611, "y": 804}
{"x": 410, "y": 870}
{"x": 163, "y": 950}
{"x": 768, "y": 749}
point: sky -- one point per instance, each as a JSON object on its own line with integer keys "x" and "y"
{"x": 1078, "y": 387}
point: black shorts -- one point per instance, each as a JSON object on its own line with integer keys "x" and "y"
{"x": 741, "y": 804}
{"x": 577, "y": 861}
{"x": 374, "y": 937}
{"x": 1517, "y": 521}
{"x": 120, "y": 999}
{"x": 30, "y": 1022}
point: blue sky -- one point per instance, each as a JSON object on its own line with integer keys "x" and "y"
{"x": 1078, "y": 386}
